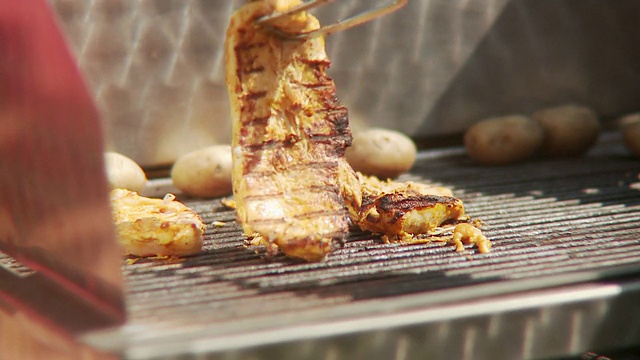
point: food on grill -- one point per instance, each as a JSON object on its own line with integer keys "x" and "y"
{"x": 466, "y": 233}
{"x": 630, "y": 126}
{"x": 372, "y": 186}
{"x": 406, "y": 211}
{"x": 205, "y": 172}
{"x": 123, "y": 172}
{"x": 293, "y": 187}
{"x": 230, "y": 203}
{"x": 155, "y": 227}
{"x": 503, "y": 140}
{"x": 569, "y": 130}
{"x": 401, "y": 216}
{"x": 289, "y": 133}
{"x": 381, "y": 152}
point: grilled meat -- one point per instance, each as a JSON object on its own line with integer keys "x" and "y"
{"x": 293, "y": 187}
{"x": 371, "y": 186}
{"x": 401, "y": 216}
{"x": 155, "y": 227}
{"x": 289, "y": 133}
{"x": 152, "y": 227}
{"x": 402, "y": 210}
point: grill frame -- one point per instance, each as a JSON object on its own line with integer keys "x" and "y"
{"x": 229, "y": 302}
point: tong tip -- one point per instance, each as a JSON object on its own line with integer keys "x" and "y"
{"x": 340, "y": 25}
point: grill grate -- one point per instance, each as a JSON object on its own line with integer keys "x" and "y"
{"x": 546, "y": 218}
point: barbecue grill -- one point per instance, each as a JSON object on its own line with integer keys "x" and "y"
{"x": 563, "y": 276}
{"x": 561, "y": 279}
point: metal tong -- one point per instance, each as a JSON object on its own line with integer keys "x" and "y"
{"x": 340, "y": 25}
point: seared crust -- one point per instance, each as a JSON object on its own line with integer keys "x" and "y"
{"x": 155, "y": 227}
{"x": 400, "y": 215}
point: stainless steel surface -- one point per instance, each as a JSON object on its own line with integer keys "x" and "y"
{"x": 156, "y": 69}
{"x": 562, "y": 277}
{"x": 434, "y": 67}
{"x": 530, "y": 325}
{"x": 156, "y": 66}
{"x": 547, "y": 53}
{"x": 54, "y": 207}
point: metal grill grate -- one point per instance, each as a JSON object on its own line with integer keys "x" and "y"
{"x": 552, "y": 222}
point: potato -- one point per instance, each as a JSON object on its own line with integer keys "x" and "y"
{"x": 503, "y": 140}
{"x": 381, "y": 152}
{"x": 123, "y": 172}
{"x": 630, "y": 127}
{"x": 570, "y": 130}
{"x": 205, "y": 172}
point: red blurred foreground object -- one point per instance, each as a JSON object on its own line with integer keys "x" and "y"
{"x": 54, "y": 210}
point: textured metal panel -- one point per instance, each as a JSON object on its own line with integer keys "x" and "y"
{"x": 156, "y": 69}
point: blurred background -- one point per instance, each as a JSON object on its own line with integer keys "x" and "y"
{"x": 156, "y": 67}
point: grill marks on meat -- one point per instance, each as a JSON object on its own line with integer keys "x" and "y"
{"x": 291, "y": 182}
{"x": 289, "y": 133}
{"x": 404, "y": 216}
{"x": 400, "y": 211}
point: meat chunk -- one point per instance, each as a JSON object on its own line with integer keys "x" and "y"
{"x": 155, "y": 227}
{"x": 289, "y": 133}
{"x": 400, "y": 216}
